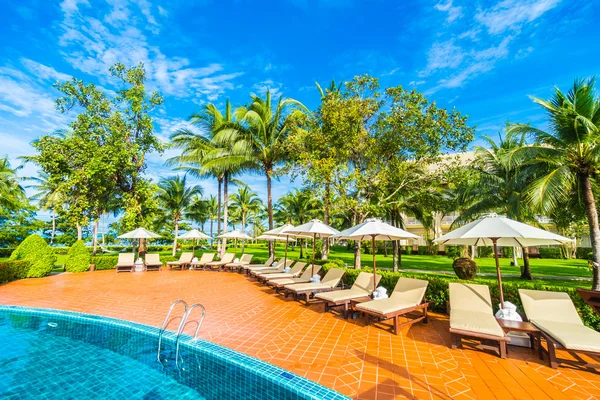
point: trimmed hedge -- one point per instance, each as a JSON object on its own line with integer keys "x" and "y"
{"x": 78, "y": 258}
{"x": 408, "y": 250}
{"x": 485, "y": 251}
{"x": 5, "y": 252}
{"x": 13, "y": 270}
{"x": 550, "y": 252}
{"x": 437, "y": 291}
{"x": 454, "y": 252}
{"x": 582, "y": 253}
{"x": 41, "y": 256}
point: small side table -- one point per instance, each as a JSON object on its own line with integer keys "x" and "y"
{"x": 524, "y": 327}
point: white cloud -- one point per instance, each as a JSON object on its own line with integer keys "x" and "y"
{"x": 511, "y": 14}
{"x": 443, "y": 55}
{"x": 453, "y": 13}
{"x": 268, "y": 85}
{"x": 43, "y": 71}
{"x": 71, "y": 6}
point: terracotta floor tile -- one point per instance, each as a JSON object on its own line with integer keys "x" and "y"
{"x": 365, "y": 362}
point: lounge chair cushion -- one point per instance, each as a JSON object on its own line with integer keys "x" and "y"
{"x": 342, "y": 295}
{"x": 476, "y": 322}
{"x": 549, "y": 306}
{"x": 571, "y": 336}
{"x": 308, "y": 286}
{"x": 385, "y": 306}
{"x": 289, "y": 281}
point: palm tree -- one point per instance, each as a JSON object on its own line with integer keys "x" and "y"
{"x": 261, "y": 135}
{"x": 176, "y": 197}
{"x": 204, "y": 157}
{"x": 11, "y": 191}
{"x": 245, "y": 201}
{"x": 500, "y": 186}
{"x": 48, "y": 197}
{"x": 213, "y": 214}
{"x": 567, "y": 156}
{"x": 298, "y": 207}
{"x": 198, "y": 211}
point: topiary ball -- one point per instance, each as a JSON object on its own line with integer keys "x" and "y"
{"x": 465, "y": 268}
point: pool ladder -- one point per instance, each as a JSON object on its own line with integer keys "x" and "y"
{"x": 186, "y": 313}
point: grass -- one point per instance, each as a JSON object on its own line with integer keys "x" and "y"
{"x": 539, "y": 267}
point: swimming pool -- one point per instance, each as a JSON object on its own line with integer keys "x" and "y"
{"x": 49, "y": 354}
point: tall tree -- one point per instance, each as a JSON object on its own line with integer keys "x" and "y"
{"x": 567, "y": 156}
{"x": 298, "y": 207}
{"x": 48, "y": 197}
{"x": 176, "y": 197}
{"x": 11, "y": 192}
{"x": 260, "y": 136}
{"x": 245, "y": 201}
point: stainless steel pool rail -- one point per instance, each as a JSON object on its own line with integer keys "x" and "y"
{"x": 166, "y": 322}
{"x": 182, "y": 325}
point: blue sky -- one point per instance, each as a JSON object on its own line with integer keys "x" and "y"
{"x": 483, "y": 57}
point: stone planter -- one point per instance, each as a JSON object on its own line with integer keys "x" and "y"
{"x": 465, "y": 268}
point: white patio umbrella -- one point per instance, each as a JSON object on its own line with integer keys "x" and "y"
{"x": 235, "y": 234}
{"x": 374, "y": 229}
{"x": 139, "y": 233}
{"x": 314, "y": 228}
{"x": 193, "y": 235}
{"x": 283, "y": 232}
{"x": 499, "y": 231}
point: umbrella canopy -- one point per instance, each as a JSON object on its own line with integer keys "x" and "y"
{"x": 235, "y": 234}
{"x": 499, "y": 231}
{"x": 283, "y": 232}
{"x": 139, "y": 233}
{"x": 314, "y": 228}
{"x": 272, "y": 237}
{"x": 374, "y": 229}
{"x": 194, "y": 234}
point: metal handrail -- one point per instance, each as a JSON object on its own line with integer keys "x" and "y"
{"x": 182, "y": 325}
{"x": 165, "y": 322}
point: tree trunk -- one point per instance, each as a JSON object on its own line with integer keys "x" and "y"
{"x": 79, "y": 232}
{"x": 301, "y": 249}
{"x": 357, "y": 254}
{"x": 53, "y": 227}
{"x": 592, "y": 217}
{"x": 268, "y": 172}
{"x": 326, "y": 201}
{"x": 175, "y": 239}
{"x": 526, "y": 274}
{"x": 143, "y": 248}
{"x": 243, "y": 228}
{"x": 395, "y": 244}
{"x": 95, "y": 238}
{"x": 515, "y": 260}
{"x": 103, "y": 230}
{"x": 225, "y": 211}
{"x": 212, "y": 241}
{"x": 219, "y": 184}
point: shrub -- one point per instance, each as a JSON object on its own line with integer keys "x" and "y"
{"x": 423, "y": 250}
{"x": 78, "y": 258}
{"x": 13, "y": 270}
{"x": 104, "y": 262}
{"x": 318, "y": 254}
{"x": 454, "y": 252}
{"x": 507, "y": 252}
{"x": 5, "y": 252}
{"x": 408, "y": 250}
{"x": 582, "y": 253}
{"x": 485, "y": 251}
{"x": 41, "y": 256}
{"x": 550, "y": 252}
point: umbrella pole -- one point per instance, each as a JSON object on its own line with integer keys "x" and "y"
{"x": 374, "y": 264}
{"x": 495, "y": 243}
{"x": 313, "y": 256}
{"x": 287, "y": 237}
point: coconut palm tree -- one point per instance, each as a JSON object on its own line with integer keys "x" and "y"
{"x": 567, "y": 156}
{"x": 245, "y": 201}
{"x": 500, "y": 186}
{"x": 176, "y": 197}
{"x": 260, "y": 136}
{"x": 198, "y": 211}
{"x": 298, "y": 207}
{"x": 11, "y": 191}
{"x": 47, "y": 196}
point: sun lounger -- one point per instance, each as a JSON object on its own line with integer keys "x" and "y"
{"x": 294, "y": 271}
{"x": 555, "y": 315}
{"x": 280, "y": 283}
{"x": 362, "y": 286}
{"x": 472, "y": 316}
{"x": 330, "y": 281}
{"x": 278, "y": 268}
{"x": 227, "y": 258}
{"x": 126, "y": 262}
{"x": 244, "y": 260}
{"x": 153, "y": 262}
{"x": 204, "y": 259}
{"x": 184, "y": 259}
{"x": 267, "y": 264}
{"x": 406, "y": 299}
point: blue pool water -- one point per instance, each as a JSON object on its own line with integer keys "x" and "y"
{"x": 47, "y": 354}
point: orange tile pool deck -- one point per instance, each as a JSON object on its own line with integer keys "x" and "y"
{"x": 363, "y": 362}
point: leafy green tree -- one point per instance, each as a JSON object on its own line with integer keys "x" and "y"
{"x": 176, "y": 197}
{"x": 567, "y": 156}
{"x": 245, "y": 201}
{"x": 48, "y": 197}
{"x": 11, "y": 191}
{"x": 258, "y": 139}
{"x": 198, "y": 211}
{"x": 16, "y": 225}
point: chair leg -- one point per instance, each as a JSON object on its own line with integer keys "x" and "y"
{"x": 425, "y": 316}
{"x": 455, "y": 341}
{"x": 502, "y": 349}
{"x": 552, "y": 354}
{"x": 396, "y": 323}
